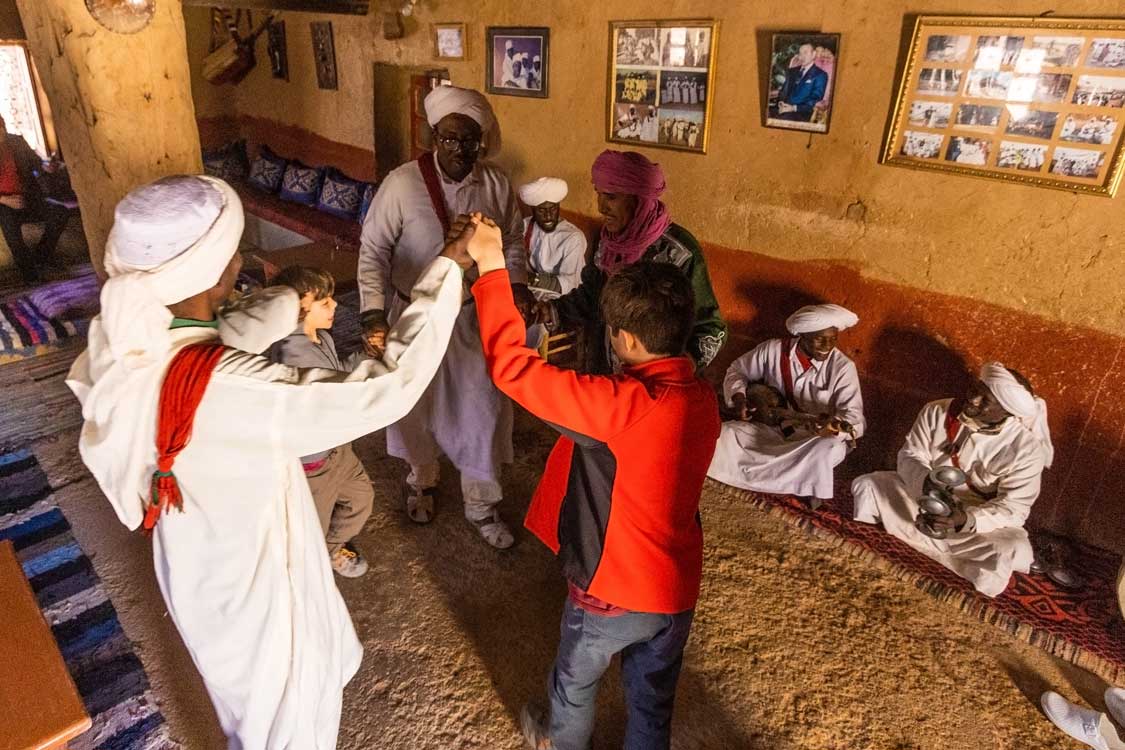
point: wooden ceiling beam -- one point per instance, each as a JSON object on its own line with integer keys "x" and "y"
{"x": 349, "y": 7}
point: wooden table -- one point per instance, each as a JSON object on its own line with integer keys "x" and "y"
{"x": 39, "y": 706}
{"x": 341, "y": 263}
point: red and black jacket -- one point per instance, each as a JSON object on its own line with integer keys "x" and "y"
{"x": 619, "y": 498}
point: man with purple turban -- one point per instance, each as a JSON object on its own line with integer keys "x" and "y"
{"x": 637, "y": 227}
{"x": 997, "y": 434}
{"x": 461, "y": 414}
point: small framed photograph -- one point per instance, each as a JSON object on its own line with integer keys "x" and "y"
{"x": 518, "y": 60}
{"x": 1035, "y": 101}
{"x": 803, "y": 70}
{"x": 661, "y": 78}
{"x": 450, "y": 41}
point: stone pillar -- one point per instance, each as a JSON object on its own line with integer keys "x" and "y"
{"x": 122, "y": 103}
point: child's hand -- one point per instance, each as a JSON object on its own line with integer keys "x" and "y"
{"x": 485, "y": 244}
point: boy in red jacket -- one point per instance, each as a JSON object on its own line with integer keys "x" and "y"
{"x": 619, "y": 498}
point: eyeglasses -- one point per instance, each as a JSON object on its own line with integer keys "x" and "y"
{"x": 452, "y": 145}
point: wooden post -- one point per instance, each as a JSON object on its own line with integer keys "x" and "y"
{"x": 122, "y": 103}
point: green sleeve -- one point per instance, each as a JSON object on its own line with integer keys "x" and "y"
{"x": 710, "y": 331}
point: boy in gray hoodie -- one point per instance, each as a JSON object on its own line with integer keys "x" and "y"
{"x": 340, "y": 486}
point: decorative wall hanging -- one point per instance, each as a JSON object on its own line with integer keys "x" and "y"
{"x": 518, "y": 61}
{"x": 122, "y": 16}
{"x": 661, "y": 80}
{"x": 279, "y": 54}
{"x": 450, "y": 41}
{"x": 803, "y": 68}
{"x": 324, "y": 52}
{"x": 234, "y": 59}
{"x": 1039, "y": 101}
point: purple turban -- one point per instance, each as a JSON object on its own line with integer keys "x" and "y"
{"x": 632, "y": 174}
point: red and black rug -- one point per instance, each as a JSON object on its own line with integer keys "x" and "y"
{"x": 1083, "y": 625}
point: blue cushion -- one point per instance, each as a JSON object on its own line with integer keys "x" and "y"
{"x": 301, "y": 183}
{"x": 365, "y": 201}
{"x": 267, "y": 170}
{"x": 228, "y": 162}
{"x": 340, "y": 194}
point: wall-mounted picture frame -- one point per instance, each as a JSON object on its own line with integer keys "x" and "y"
{"x": 803, "y": 70}
{"x": 661, "y": 83}
{"x": 450, "y": 41}
{"x": 518, "y": 61}
{"x": 1037, "y": 101}
{"x": 324, "y": 53}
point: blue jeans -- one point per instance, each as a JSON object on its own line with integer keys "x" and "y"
{"x": 652, "y": 650}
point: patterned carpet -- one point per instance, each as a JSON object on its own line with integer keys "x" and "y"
{"x": 1083, "y": 626}
{"x": 109, "y": 676}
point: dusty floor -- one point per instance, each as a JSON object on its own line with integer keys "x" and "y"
{"x": 797, "y": 645}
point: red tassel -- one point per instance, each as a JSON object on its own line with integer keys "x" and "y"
{"x": 180, "y": 394}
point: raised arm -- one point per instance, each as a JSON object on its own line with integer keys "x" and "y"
{"x": 319, "y": 409}
{"x": 591, "y": 405}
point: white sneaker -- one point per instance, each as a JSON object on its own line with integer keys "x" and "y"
{"x": 348, "y": 562}
{"x": 1115, "y": 702}
{"x": 1079, "y": 723}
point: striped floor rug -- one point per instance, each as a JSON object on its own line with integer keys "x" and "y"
{"x": 100, "y": 657}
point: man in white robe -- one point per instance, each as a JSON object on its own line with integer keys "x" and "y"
{"x": 556, "y": 248}
{"x": 815, "y": 378}
{"x": 462, "y": 414}
{"x": 997, "y": 434}
{"x": 243, "y": 568}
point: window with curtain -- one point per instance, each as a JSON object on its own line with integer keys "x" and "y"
{"x": 19, "y": 105}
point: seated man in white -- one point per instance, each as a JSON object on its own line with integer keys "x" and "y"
{"x": 997, "y": 435}
{"x": 556, "y": 249}
{"x": 792, "y": 450}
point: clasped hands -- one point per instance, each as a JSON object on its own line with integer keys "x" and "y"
{"x": 472, "y": 239}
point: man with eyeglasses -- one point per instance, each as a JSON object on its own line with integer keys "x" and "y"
{"x": 462, "y": 414}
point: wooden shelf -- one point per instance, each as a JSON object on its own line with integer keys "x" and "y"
{"x": 348, "y": 7}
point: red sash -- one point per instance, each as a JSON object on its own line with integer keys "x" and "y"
{"x": 787, "y": 370}
{"x": 180, "y": 393}
{"x": 952, "y": 430}
{"x": 433, "y": 187}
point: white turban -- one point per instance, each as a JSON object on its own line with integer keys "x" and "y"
{"x": 544, "y": 190}
{"x": 453, "y": 100}
{"x": 812, "y": 318}
{"x": 1030, "y": 410}
{"x": 171, "y": 239}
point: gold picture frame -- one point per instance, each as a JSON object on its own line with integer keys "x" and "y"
{"x": 1036, "y": 101}
{"x": 661, "y": 82}
{"x": 451, "y": 42}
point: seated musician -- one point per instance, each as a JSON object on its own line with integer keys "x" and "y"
{"x": 997, "y": 436}
{"x": 791, "y": 441}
